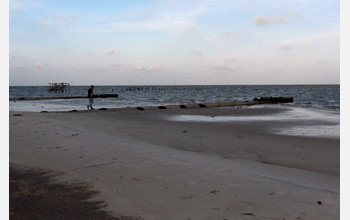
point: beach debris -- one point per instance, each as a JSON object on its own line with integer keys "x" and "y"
{"x": 188, "y": 197}
{"x": 44, "y": 112}
{"x": 140, "y": 108}
{"x": 183, "y": 106}
{"x": 319, "y": 202}
{"x": 45, "y": 122}
{"x": 266, "y": 162}
{"x": 102, "y": 109}
{"x": 75, "y": 135}
{"x": 161, "y": 107}
{"x": 99, "y": 166}
{"x": 248, "y": 213}
{"x": 17, "y": 115}
{"x": 299, "y": 146}
{"x": 272, "y": 193}
{"x": 184, "y": 131}
{"x": 73, "y": 110}
{"x": 214, "y": 192}
{"x": 202, "y": 105}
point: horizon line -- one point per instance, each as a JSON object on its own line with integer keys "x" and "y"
{"x": 297, "y": 84}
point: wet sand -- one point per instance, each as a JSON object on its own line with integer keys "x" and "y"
{"x": 146, "y": 166}
{"x": 34, "y": 196}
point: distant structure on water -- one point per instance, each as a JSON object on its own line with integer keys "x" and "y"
{"x": 59, "y": 87}
{"x": 152, "y": 88}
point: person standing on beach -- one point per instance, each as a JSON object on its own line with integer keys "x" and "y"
{"x": 91, "y": 97}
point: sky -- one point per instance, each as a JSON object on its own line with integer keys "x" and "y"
{"x": 182, "y": 42}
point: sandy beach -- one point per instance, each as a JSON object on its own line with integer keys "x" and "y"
{"x": 145, "y": 165}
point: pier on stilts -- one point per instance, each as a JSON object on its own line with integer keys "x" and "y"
{"x": 161, "y": 88}
{"x": 59, "y": 87}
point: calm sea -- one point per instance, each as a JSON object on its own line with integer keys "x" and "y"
{"x": 311, "y": 102}
{"x": 325, "y": 97}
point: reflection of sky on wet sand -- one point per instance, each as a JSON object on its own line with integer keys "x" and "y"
{"x": 332, "y": 131}
{"x": 314, "y": 123}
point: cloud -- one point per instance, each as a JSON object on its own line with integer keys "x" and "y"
{"x": 59, "y": 19}
{"x": 197, "y": 53}
{"x": 153, "y": 25}
{"x": 112, "y": 53}
{"x": 166, "y": 20}
{"x": 39, "y": 64}
{"x": 146, "y": 16}
{"x": 224, "y": 66}
{"x": 226, "y": 34}
{"x": 286, "y": 46}
{"x": 261, "y": 20}
{"x": 150, "y": 68}
{"x": 26, "y": 5}
{"x": 15, "y": 5}
{"x": 322, "y": 41}
{"x": 23, "y": 62}
{"x": 67, "y": 17}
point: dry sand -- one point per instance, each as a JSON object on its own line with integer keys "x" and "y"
{"x": 146, "y": 166}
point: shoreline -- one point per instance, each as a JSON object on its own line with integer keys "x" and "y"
{"x": 172, "y": 106}
{"x": 146, "y": 166}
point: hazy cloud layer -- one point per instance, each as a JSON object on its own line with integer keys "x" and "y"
{"x": 174, "y": 42}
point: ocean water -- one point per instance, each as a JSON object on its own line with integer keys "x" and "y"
{"x": 325, "y": 97}
{"x": 313, "y": 103}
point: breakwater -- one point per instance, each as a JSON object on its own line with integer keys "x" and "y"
{"x": 256, "y": 101}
